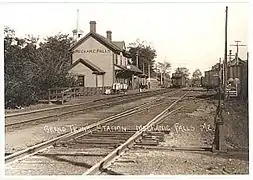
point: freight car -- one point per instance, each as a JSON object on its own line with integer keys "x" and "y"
{"x": 211, "y": 79}
{"x": 178, "y": 80}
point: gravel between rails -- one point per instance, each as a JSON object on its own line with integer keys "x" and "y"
{"x": 195, "y": 126}
{"x": 146, "y": 162}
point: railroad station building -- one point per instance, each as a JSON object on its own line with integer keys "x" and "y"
{"x": 98, "y": 61}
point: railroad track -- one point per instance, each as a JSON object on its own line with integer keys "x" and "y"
{"x": 82, "y": 143}
{"x": 52, "y": 114}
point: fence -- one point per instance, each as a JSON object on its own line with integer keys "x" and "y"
{"x": 64, "y": 94}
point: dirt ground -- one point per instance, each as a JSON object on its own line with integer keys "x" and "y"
{"x": 236, "y": 125}
{"x": 193, "y": 127}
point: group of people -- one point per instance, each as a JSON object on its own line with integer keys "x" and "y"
{"x": 123, "y": 87}
{"x": 119, "y": 87}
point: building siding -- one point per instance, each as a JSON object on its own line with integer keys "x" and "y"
{"x": 102, "y": 60}
{"x": 89, "y": 78}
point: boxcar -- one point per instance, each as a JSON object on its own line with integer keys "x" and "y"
{"x": 211, "y": 79}
{"x": 178, "y": 80}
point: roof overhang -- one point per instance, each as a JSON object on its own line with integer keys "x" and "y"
{"x": 100, "y": 39}
{"x": 90, "y": 65}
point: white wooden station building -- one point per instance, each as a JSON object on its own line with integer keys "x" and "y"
{"x": 98, "y": 61}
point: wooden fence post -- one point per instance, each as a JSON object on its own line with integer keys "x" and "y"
{"x": 49, "y": 96}
{"x": 62, "y": 97}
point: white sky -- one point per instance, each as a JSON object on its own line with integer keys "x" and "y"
{"x": 188, "y": 34}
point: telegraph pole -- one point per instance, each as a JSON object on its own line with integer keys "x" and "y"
{"x": 137, "y": 59}
{"x": 225, "y": 57}
{"x": 148, "y": 75}
{"x": 156, "y": 71}
{"x": 149, "y": 70}
{"x": 218, "y": 120}
{"x": 237, "y": 49}
{"x": 143, "y": 67}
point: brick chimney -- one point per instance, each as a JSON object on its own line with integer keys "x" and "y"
{"x": 92, "y": 26}
{"x": 109, "y": 35}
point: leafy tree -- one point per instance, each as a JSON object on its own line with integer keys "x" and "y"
{"x": 18, "y": 89}
{"x": 146, "y": 54}
{"x": 52, "y": 62}
{"x": 196, "y": 77}
{"x": 164, "y": 69}
{"x": 196, "y": 74}
{"x": 30, "y": 69}
{"x": 184, "y": 71}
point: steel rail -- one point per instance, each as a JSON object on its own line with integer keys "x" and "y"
{"x": 42, "y": 146}
{"x": 78, "y": 104}
{"x": 64, "y": 113}
{"x": 103, "y": 164}
{"x": 72, "y": 111}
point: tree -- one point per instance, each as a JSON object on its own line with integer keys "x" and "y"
{"x": 164, "y": 69}
{"x": 146, "y": 54}
{"x": 196, "y": 77}
{"x": 53, "y": 61}
{"x": 18, "y": 88}
{"x": 30, "y": 69}
{"x": 184, "y": 71}
{"x": 196, "y": 74}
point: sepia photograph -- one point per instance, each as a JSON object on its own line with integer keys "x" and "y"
{"x": 112, "y": 88}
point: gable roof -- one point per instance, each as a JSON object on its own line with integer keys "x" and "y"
{"x": 230, "y": 63}
{"x": 240, "y": 61}
{"x": 120, "y": 44}
{"x": 110, "y": 45}
{"x": 90, "y": 65}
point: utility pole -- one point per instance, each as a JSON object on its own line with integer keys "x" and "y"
{"x": 225, "y": 56}
{"x": 143, "y": 67}
{"x": 161, "y": 77}
{"x": 149, "y": 70}
{"x": 137, "y": 59}
{"x": 156, "y": 71}
{"x": 218, "y": 120}
{"x": 149, "y": 75}
{"x": 237, "y": 49}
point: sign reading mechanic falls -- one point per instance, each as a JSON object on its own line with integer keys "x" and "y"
{"x": 92, "y": 51}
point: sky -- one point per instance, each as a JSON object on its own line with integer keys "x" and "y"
{"x": 190, "y": 35}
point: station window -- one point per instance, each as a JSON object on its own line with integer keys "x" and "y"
{"x": 80, "y": 81}
{"x": 115, "y": 58}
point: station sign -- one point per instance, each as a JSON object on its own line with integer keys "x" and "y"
{"x": 93, "y": 51}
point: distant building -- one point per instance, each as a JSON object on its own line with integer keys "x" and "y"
{"x": 97, "y": 61}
